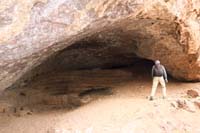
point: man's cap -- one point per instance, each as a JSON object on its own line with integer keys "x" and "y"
{"x": 157, "y": 62}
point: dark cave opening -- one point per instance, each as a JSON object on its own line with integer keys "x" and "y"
{"x": 100, "y": 51}
{"x": 112, "y": 49}
{"x": 91, "y": 67}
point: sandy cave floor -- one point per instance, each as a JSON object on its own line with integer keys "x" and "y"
{"x": 65, "y": 103}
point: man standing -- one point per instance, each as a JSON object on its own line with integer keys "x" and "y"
{"x": 159, "y": 75}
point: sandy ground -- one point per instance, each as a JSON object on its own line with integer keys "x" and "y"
{"x": 125, "y": 110}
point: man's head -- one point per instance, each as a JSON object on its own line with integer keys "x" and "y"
{"x": 157, "y": 62}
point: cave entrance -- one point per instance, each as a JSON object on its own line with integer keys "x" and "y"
{"x": 72, "y": 88}
{"x": 95, "y": 66}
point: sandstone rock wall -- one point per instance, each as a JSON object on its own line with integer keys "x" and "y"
{"x": 32, "y": 30}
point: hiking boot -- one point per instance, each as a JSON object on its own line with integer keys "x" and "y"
{"x": 150, "y": 98}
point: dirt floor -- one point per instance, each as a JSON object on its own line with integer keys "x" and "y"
{"x": 98, "y": 101}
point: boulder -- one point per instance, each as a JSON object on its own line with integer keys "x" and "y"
{"x": 193, "y": 93}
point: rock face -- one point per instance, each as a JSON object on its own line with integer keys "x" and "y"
{"x": 35, "y": 30}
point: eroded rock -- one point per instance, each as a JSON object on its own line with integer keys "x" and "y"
{"x": 33, "y": 30}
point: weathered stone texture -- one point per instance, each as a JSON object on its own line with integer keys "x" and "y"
{"x": 32, "y": 30}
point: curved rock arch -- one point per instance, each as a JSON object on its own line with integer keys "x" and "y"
{"x": 165, "y": 30}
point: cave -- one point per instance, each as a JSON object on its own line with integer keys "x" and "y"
{"x": 99, "y": 60}
{"x": 90, "y": 67}
{"x": 131, "y": 29}
{"x": 72, "y": 64}
{"x": 112, "y": 47}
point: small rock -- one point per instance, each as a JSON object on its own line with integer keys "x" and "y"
{"x": 22, "y": 111}
{"x": 181, "y": 103}
{"x": 186, "y": 105}
{"x": 193, "y": 93}
{"x": 174, "y": 104}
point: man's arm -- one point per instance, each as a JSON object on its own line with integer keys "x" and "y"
{"x": 165, "y": 73}
{"x": 152, "y": 71}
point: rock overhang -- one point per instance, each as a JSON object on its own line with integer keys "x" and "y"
{"x": 158, "y": 30}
